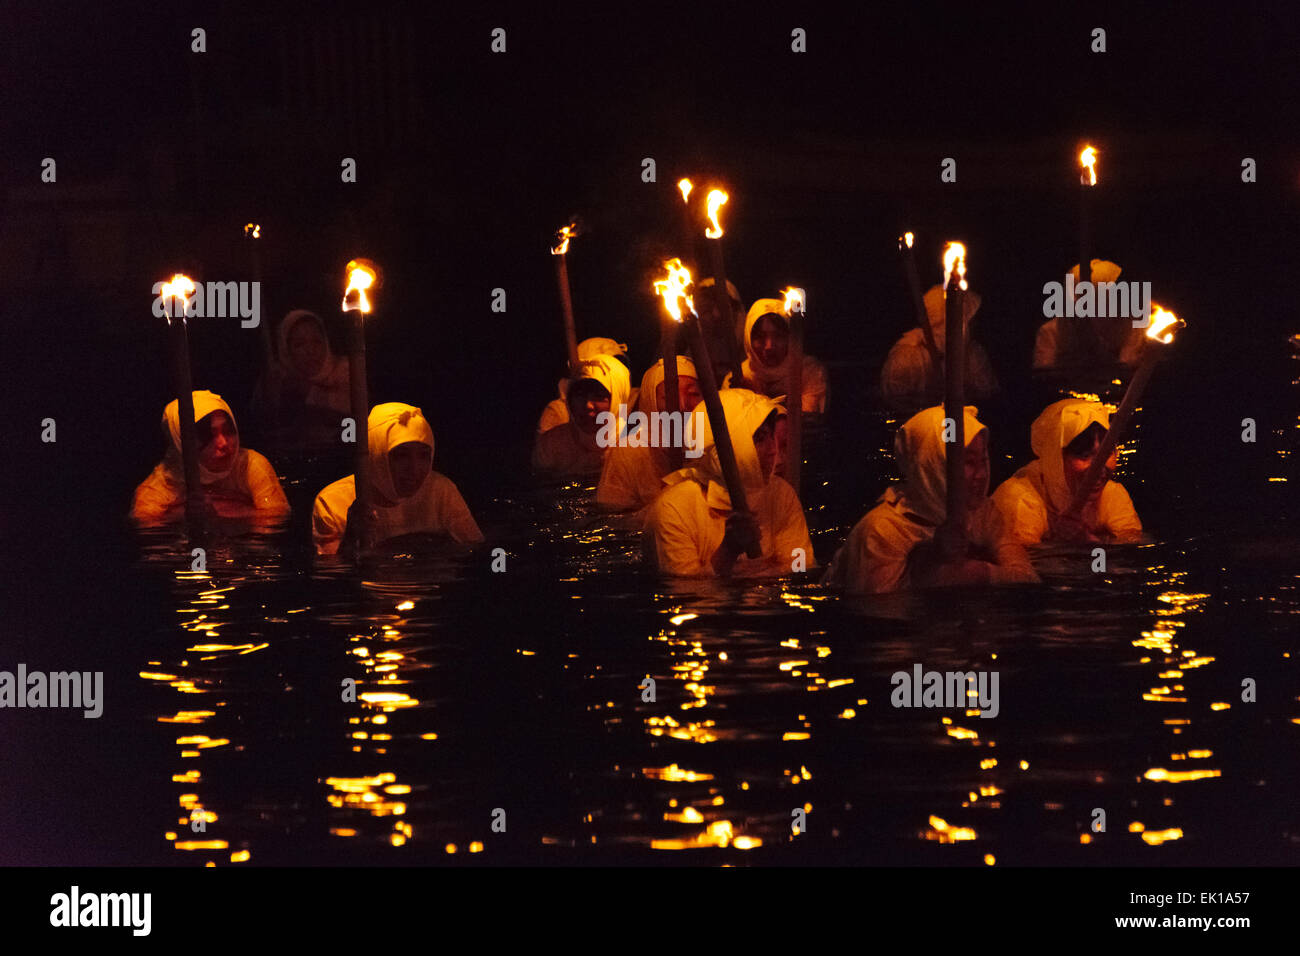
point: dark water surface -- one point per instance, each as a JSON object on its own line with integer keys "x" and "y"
{"x": 518, "y": 691}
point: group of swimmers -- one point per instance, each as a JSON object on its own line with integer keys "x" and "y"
{"x": 683, "y": 506}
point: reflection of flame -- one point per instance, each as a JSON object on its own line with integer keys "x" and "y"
{"x": 942, "y": 831}
{"x": 954, "y": 257}
{"x": 253, "y": 230}
{"x": 673, "y": 288}
{"x": 685, "y": 185}
{"x": 360, "y": 278}
{"x": 794, "y": 300}
{"x": 716, "y": 198}
{"x": 1161, "y": 775}
{"x": 1088, "y": 160}
{"x": 181, "y": 287}
{"x": 1163, "y": 325}
{"x": 562, "y": 239}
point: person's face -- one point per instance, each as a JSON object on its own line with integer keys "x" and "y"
{"x": 1077, "y": 465}
{"x": 409, "y": 464}
{"x": 306, "y": 348}
{"x": 765, "y": 443}
{"x": 587, "y": 399}
{"x": 708, "y": 306}
{"x": 977, "y": 469}
{"x": 771, "y": 340}
{"x": 220, "y": 451}
{"x": 688, "y": 393}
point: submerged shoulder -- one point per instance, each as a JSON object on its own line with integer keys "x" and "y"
{"x": 255, "y": 461}
{"x": 677, "y": 501}
{"x": 338, "y": 495}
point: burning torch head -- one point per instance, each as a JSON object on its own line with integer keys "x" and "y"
{"x": 363, "y": 275}
{"x": 564, "y": 234}
{"x": 1088, "y": 165}
{"x": 176, "y": 296}
{"x": 1164, "y": 325}
{"x": 715, "y": 200}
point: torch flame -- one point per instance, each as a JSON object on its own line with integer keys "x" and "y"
{"x": 907, "y": 239}
{"x": 1088, "y": 160}
{"x": 253, "y": 230}
{"x": 685, "y": 185}
{"x": 794, "y": 300}
{"x": 562, "y": 238}
{"x": 954, "y": 257}
{"x": 1163, "y": 325}
{"x": 180, "y": 287}
{"x": 360, "y": 278}
{"x": 716, "y": 198}
{"x": 674, "y": 288}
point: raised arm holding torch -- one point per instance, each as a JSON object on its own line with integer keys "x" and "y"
{"x": 253, "y": 233}
{"x": 676, "y": 289}
{"x": 1160, "y": 333}
{"x": 689, "y": 225}
{"x": 1087, "y": 188}
{"x": 362, "y": 276}
{"x": 953, "y": 545}
{"x": 713, "y": 232}
{"x": 177, "y": 292}
{"x": 914, "y": 291}
{"x": 795, "y": 310}
{"x": 561, "y": 253}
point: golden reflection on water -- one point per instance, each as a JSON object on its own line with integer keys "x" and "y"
{"x": 202, "y": 611}
{"x": 1173, "y": 606}
{"x": 386, "y": 667}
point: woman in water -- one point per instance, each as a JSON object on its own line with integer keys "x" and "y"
{"x": 633, "y": 474}
{"x": 912, "y": 376}
{"x": 1035, "y": 502}
{"x": 902, "y": 543}
{"x": 305, "y": 396}
{"x": 577, "y": 447}
{"x": 409, "y": 496}
{"x": 237, "y": 482}
{"x": 770, "y": 362}
{"x": 692, "y": 530}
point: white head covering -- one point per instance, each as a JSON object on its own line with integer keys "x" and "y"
{"x": 646, "y": 400}
{"x": 205, "y": 403}
{"x": 936, "y": 312}
{"x": 287, "y": 325}
{"x": 766, "y": 375}
{"x": 1103, "y": 270}
{"x": 609, "y": 372}
{"x": 593, "y": 354}
{"x": 744, "y": 411}
{"x": 1059, "y": 424}
{"x": 389, "y": 425}
{"x": 922, "y": 454}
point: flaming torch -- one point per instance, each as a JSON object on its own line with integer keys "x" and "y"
{"x": 1160, "y": 333}
{"x": 362, "y": 276}
{"x": 676, "y": 288}
{"x": 954, "y": 395}
{"x": 688, "y": 221}
{"x": 1087, "y": 180}
{"x": 177, "y": 292}
{"x": 253, "y": 232}
{"x": 713, "y": 233}
{"x": 795, "y": 311}
{"x": 561, "y": 252}
{"x": 726, "y": 332}
{"x": 914, "y": 289}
